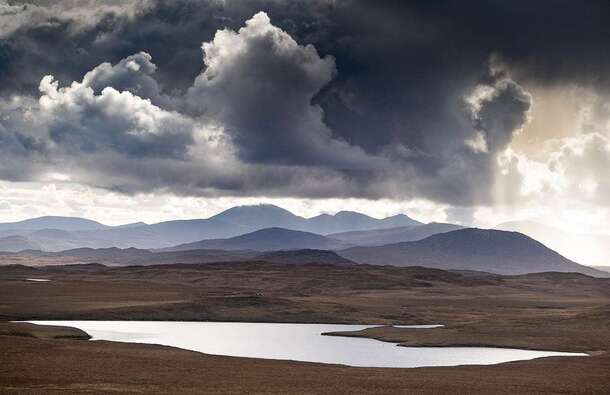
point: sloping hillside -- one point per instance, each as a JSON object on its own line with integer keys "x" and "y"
{"x": 267, "y": 240}
{"x": 589, "y": 249}
{"x": 491, "y": 251}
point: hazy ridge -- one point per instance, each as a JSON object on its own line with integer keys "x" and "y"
{"x": 61, "y": 233}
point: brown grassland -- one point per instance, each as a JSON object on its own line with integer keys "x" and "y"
{"x": 563, "y": 312}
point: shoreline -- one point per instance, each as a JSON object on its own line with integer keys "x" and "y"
{"x": 354, "y": 334}
{"x": 35, "y": 365}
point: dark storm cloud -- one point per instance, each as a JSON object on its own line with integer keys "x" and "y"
{"x": 259, "y": 83}
{"x": 550, "y": 39}
{"x": 373, "y": 99}
{"x": 54, "y": 37}
{"x": 21, "y": 149}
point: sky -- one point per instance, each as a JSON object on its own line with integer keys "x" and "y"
{"x": 474, "y": 112}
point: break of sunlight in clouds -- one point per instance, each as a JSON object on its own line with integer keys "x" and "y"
{"x": 561, "y": 179}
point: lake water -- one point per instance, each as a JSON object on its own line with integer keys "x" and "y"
{"x": 299, "y": 342}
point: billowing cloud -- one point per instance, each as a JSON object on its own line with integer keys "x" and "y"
{"x": 250, "y": 124}
{"x": 498, "y": 112}
{"x": 331, "y": 99}
{"x": 260, "y": 83}
{"x": 583, "y": 163}
{"x": 79, "y": 121}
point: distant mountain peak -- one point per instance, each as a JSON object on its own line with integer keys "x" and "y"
{"x": 486, "y": 250}
{"x": 231, "y": 222}
{"x": 486, "y": 239}
{"x": 403, "y": 217}
{"x": 347, "y": 213}
{"x": 259, "y": 216}
{"x": 254, "y": 208}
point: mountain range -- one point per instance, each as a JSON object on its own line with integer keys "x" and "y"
{"x": 493, "y": 251}
{"x": 61, "y": 233}
{"x": 266, "y": 232}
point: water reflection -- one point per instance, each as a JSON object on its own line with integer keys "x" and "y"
{"x": 300, "y": 342}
